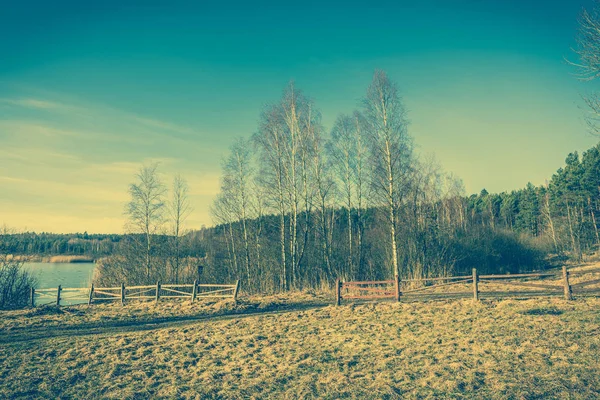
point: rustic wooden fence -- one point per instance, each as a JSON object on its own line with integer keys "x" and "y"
{"x": 123, "y": 293}
{"x": 549, "y": 283}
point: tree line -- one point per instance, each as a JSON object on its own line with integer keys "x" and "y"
{"x": 300, "y": 207}
{"x": 50, "y": 244}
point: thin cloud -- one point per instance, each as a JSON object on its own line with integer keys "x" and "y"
{"x": 38, "y": 104}
{"x": 106, "y": 113}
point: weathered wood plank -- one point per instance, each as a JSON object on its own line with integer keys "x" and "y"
{"x": 436, "y": 286}
{"x": 497, "y": 294}
{"x": 116, "y": 295}
{"x": 232, "y": 290}
{"x": 194, "y": 290}
{"x": 139, "y": 292}
{"x": 516, "y": 276}
{"x": 567, "y": 286}
{"x": 215, "y": 285}
{"x": 91, "y": 294}
{"x": 389, "y": 296}
{"x": 356, "y": 283}
{"x": 174, "y": 291}
{"x": 584, "y": 272}
{"x": 173, "y": 285}
{"x": 587, "y": 283}
{"x": 150, "y": 287}
{"x": 236, "y": 290}
{"x": 375, "y": 290}
{"x": 446, "y": 278}
{"x": 524, "y": 284}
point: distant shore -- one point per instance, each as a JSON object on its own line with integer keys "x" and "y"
{"x": 56, "y": 259}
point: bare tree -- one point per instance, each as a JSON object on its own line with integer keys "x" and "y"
{"x": 235, "y": 185}
{"x": 287, "y": 155}
{"x": 342, "y": 150}
{"x": 360, "y": 178}
{"x": 588, "y": 50}
{"x": 270, "y": 140}
{"x": 179, "y": 210}
{"x": 223, "y": 214}
{"x": 146, "y": 209}
{"x": 391, "y": 150}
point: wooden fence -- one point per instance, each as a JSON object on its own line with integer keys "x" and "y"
{"x": 123, "y": 293}
{"x": 549, "y": 283}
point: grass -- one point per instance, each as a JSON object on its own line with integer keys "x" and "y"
{"x": 520, "y": 349}
{"x": 48, "y": 317}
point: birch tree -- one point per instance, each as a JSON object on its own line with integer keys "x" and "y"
{"x": 391, "y": 152}
{"x": 146, "y": 209}
{"x": 342, "y": 150}
{"x": 235, "y": 184}
{"x": 270, "y": 140}
{"x": 179, "y": 210}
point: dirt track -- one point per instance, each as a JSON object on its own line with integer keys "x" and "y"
{"x": 115, "y": 327}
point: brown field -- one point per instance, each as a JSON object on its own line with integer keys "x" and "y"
{"x": 521, "y": 349}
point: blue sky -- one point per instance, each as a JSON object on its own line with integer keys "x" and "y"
{"x": 90, "y": 92}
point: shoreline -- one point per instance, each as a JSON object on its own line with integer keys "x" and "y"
{"x": 65, "y": 259}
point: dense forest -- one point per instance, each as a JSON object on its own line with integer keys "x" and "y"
{"x": 51, "y": 244}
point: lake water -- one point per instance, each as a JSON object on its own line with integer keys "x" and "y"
{"x": 68, "y": 275}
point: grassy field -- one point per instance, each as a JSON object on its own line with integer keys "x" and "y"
{"x": 521, "y": 349}
{"x": 139, "y": 312}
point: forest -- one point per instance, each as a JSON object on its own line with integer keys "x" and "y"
{"x": 344, "y": 230}
{"x": 300, "y": 206}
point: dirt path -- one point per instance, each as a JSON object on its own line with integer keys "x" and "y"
{"x": 117, "y": 327}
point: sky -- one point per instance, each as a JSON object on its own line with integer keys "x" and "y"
{"x": 91, "y": 92}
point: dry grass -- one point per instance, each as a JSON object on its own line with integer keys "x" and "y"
{"x": 106, "y": 313}
{"x": 53, "y": 259}
{"x": 521, "y": 349}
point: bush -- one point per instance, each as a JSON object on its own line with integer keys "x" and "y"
{"x": 497, "y": 252}
{"x": 15, "y": 283}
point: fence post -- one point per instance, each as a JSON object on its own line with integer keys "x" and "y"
{"x": 475, "y": 285}
{"x": 567, "y": 286}
{"x": 58, "y": 295}
{"x": 397, "y": 287}
{"x": 236, "y": 290}
{"x": 32, "y": 296}
{"x": 122, "y": 293}
{"x": 338, "y": 292}
{"x": 194, "y": 290}
{"x": 91, "y": 294}
{"x": 157, "y": 291}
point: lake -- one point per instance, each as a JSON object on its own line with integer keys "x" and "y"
{"x": 68, "y": 275}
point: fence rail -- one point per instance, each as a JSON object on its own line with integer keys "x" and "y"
{"x": 123, "y": 293}
{"x": 554, "y": 283}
